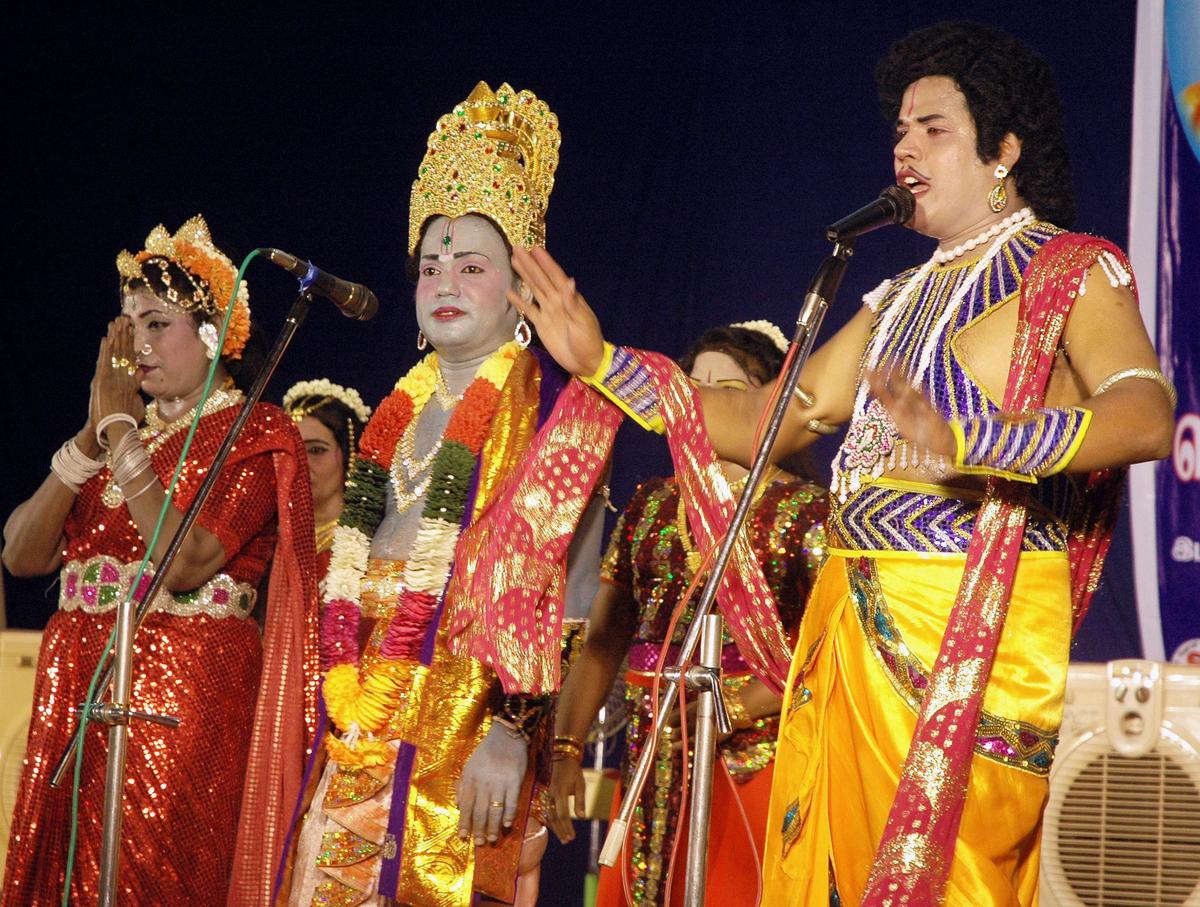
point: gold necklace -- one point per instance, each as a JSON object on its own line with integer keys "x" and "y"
{"x": 325, "y": 535}
{"x": 445, "y": 399}
{"x": 156, "y": 432}
{"x": 691, "y": 555}
{"x": 409, "y": 475}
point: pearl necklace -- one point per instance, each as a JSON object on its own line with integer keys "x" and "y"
{"x": 941, "y": 257}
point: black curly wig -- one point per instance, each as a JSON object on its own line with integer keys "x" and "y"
{"x": 1008, "y": 88}
{"x": 754, "y": 352}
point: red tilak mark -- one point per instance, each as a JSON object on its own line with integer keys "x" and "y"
{"x": 912, "y": 100}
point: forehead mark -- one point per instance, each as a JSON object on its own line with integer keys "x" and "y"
{"x": 912, "y": 98}
{"x": 447, "y": 242}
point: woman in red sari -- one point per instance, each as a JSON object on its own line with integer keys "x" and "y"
{"x": 218, "y": 785}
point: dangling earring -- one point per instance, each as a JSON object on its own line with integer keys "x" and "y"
{"x": 998, "y": 197}
{"x": 523, "y": 334}
{"x": 208, "y": 336}
{"x": 421, "y": 341}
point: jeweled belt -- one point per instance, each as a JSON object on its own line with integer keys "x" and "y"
{"x": 904, "y": 517}
{"x": 98, "y": 584}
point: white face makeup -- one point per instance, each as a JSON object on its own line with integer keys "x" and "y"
{"x": 464, "y": 274}
{"x": 715, "y": 369}
{"x": 171, "y": 357}
{"x": 936, "y": 158}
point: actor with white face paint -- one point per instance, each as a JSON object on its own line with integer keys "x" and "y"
{"x": 426, "y": 797}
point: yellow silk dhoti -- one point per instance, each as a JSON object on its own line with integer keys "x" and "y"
{"x": 872, "y": 630}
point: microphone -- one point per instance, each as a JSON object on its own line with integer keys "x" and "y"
{"x": 895, "y": 205}
{"x": 353, "y": 299}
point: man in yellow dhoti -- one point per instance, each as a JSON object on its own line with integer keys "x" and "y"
{"x": 986, "y": 391}
{"x": 993, "y": 393}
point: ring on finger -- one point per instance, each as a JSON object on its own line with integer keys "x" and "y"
{"x": 495, "y": 804}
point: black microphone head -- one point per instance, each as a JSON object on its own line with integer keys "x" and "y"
{"x": 360, "y": 306}
{"x": 902, "y": 198}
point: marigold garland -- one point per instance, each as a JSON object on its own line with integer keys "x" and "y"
{"x": 364, "y": 753}
{"x": 364, "y": 700}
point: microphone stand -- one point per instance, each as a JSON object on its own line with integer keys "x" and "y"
{"x": 706, "y": 677}
{"x": 117, "y": 713}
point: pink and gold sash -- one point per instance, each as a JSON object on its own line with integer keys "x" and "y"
{"x": 913, "y": 861}
{"x": 506, "y": 593}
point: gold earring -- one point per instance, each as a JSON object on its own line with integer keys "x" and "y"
{"x": 998, "y": 197}
{"x": 422, "y": 343}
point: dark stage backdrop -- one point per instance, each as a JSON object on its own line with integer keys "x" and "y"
{"x": 705, "y": 146}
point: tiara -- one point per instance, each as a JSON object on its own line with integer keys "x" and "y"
{"x": 768, "y": 328}
{"x": 208, "y": 269}
{"x": 494, "y": 154}
{"x": 323, "y": 389}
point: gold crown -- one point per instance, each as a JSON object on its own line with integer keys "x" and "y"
{"x": 209, "y": 271}
{"x": 495, "y": 155}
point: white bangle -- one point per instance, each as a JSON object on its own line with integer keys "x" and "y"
{"x": 72, "y": 466}
{"x": 112, "y": 419}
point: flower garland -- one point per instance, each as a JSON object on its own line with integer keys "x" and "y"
{"x": 320, "y": 388}
{"x": 365, "y": 703}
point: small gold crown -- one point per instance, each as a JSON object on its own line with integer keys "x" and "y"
{"x": 495, "y": 154}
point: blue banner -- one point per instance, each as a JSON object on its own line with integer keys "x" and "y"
{"x": 1177, "y": 482}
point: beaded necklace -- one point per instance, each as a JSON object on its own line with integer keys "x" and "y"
{"x": 872, "y": 438}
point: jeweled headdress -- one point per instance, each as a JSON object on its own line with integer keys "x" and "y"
{"x": 494, "y": 154}
{"x": 209, "y": 272}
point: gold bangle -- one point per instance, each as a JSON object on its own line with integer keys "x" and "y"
{"x": 821, "y": 428}
{"x": 565, "y": 750}
{"x": 1150, "y": 374}
{"x": 807, "y": 400}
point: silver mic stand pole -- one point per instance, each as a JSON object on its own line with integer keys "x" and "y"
{"x": 821, "y": 293}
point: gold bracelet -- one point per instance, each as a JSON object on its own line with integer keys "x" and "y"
{"x": 1150, "y": 374}
{"x": 807, "y": 400}
{"x": 822, "y": 428}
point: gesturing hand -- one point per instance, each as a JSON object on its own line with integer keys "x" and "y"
{"x": 490, "y": 786}
{"x": 564, "y": 321}
{"x": 115, "y": 385}
{"x": 916, "y": 419}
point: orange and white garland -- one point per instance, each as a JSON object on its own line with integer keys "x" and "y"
{"x": 362, "y": 701}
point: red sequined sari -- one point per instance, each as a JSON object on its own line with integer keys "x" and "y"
{"x": 226, "y": 773}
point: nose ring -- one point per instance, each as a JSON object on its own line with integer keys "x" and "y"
{"x": 146, "y": 350}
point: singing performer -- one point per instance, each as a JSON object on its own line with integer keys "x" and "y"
{"x": 651, "y": 560}
{"x": 203, "y": 801}
{"x": 993, "y": 395}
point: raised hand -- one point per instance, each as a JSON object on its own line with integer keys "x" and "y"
{"x": 561, "y": 316}
{"x": 916, "y": 419}
{"x": 115, "y": 385}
